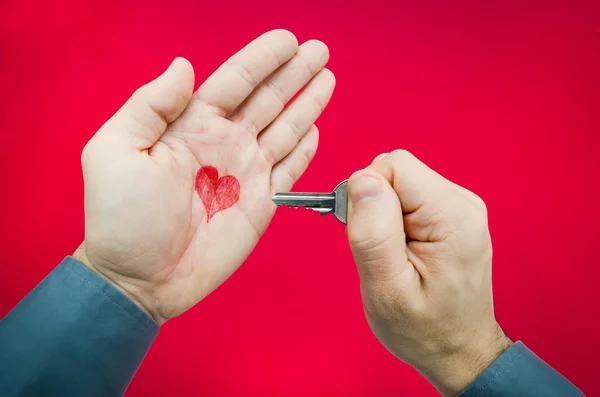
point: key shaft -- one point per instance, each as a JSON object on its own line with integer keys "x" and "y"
{"x": 317, "y": 201}
{"x": 335, "y": 202}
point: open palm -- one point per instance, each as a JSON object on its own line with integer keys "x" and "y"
{"x": 178, "y": 185}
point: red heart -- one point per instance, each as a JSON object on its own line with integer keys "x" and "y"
{"x": 217, "y": 194}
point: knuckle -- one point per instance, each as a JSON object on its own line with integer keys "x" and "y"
{"x": 402, "y": 155}
{"x": 400, "y": 158}
{"x": 479, "y": 220}
{"x": 381, "y": 156}
{"x": 475, "y": 234}
{"x": 179, "y": 99}
{"x": 85, "y": 154}
{"x": 480, "y": 204}
{"x": 470, "y": 220}
{"x": 481, "y": 227}
{"x": 140, "y": 93}
{"x": 88, "y": 150}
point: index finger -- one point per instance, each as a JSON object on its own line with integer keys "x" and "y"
{"x": 235, "y": 80}
{"x": 412, "y": 180}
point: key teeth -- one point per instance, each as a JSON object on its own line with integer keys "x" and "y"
{"x": 337, "y": 208}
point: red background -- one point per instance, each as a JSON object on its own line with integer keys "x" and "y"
{"x": 500, "y": 96}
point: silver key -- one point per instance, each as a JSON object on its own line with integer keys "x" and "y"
{"x": 335, "y": 203}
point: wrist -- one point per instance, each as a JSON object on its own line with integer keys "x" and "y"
{"x": 453, "y": 372}
{"x": 81, "y": 256}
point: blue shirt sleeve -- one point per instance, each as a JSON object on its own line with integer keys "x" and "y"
{"x": 76, "y": 335}
{"x": 518, "y": 372}
{"x": 73, "y": 335}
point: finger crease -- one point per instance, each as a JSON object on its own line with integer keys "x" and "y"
{"x": 306, "y": 155}
{"x": 292, "y": 175}
{"x": 269, "y": 155}
{"x": 273, "y": 53}
{"x": 306, "y": 65}
{"x": 295, "y": 128}
{"x": 250, "y": 126}
{"x": 163, "y": 118}
{"x": 320, "y": 104}
{"x": 277, "y": 91}
{"x": 244, "y": 73}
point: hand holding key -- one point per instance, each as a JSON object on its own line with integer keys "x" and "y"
{"x": 424, "y": 255}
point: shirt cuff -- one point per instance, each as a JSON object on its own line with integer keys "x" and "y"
{"x": 71, "y": 266}
{"x": 519, "y": 372}
{"x": 74, "y": 334}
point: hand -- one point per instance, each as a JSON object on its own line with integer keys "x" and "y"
{"x": 424, "y": 255}
{"x": 159, "y": 223}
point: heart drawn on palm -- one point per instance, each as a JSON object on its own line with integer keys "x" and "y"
{"x": 217, "y": 194}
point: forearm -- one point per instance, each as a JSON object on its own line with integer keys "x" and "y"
{"x": 74, "y": 334}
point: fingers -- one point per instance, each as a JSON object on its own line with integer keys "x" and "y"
{"x": 282, "y": 136}
{"x": 287, "y": 172}
{"x": 267, "y": 101}
{"x": 381, "y": 156}
{"x": 144, "y": 117}
{"x": 233, "y": 81}
{"x": 475, "y": 200}
{"x": 375, "y": 230}
{"x": 411, "y": 179}
{"x": 431, "y": 203}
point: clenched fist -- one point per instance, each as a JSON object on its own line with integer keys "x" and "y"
{"x": 424, "y": 255}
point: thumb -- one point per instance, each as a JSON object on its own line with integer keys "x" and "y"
{"x": 145, "y": 116}
{"x": 375, "y": 227}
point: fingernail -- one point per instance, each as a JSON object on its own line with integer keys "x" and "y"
{"x": 364, "y": 188}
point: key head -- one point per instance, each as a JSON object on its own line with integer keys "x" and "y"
{"x": 341, "y": 201}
